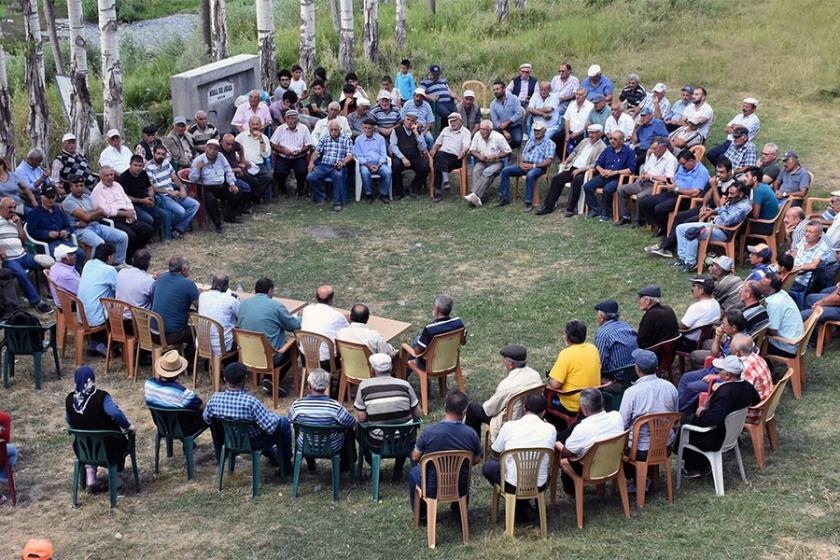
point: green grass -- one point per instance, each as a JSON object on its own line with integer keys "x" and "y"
{"x": 514, "y": 278}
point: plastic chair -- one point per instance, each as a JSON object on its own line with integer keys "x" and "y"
{"x": 569, "y": 419}
{"x": 115, "y": 311}
{"x": 205, "y": 329}
{"x": 545, "y": 177}
{"x": 824, "y": 336}
{"x": 257, "y": 354}
{"x": 514, "y": 408}
{"x": 60, "y": 322}
{"x": 355, "y": 366}
{"x": 442, "y": 357}
{"x": 601, "y": 464}
{"x": 315, "y": 441}
{"x": 146, "y": 333}
{"x": 659, "y": 425}
{"x": 788, "y": 281}
{"x": 766, "y": 421}
{"x": 310, "y": 346}
{"x": 397, "y": 442}
{"x": 237, "y": 441}
{"x": 693, "y": 202}
{"x": 4, "y": 460}
{"x": 463, "y": 175}
{"x": 705, "y": 331}
{"x": 797, "y": 380}
{"x": 196, "y": 191}
{"x": 528, "y": 461}
{"x": 480, "y": 89}
{"x": 42, "y": 247}
{"x": 76, "y": 322}
{"x": 170, "y": 427}
{"x": 373, "y": 176}
{"x": 18, "y": 342}
{"x": 759, "y": 336}
{"x": 447, "y": 466}
{"x": 772, "y": 239}
{"x": 728, "y": 245}
{"x": 734, "y": 424}
{"x": 89, "y": 446}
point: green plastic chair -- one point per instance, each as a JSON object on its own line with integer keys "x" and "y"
{"x": 18, "y": 342}
{"x": 314, "y": 441}
{"x": 170, "y": 427}
{"x": 625, "y": 375}
{"x": 89, "y": 446}
{"x": 397, "y": 441}
{"x": 237, "y": 441}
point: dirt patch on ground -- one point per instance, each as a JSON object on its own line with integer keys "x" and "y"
{"x": 816, "y": 550}
{"x": 328, "y": 233}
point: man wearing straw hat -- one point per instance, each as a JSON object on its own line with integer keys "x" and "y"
{"x": 164, "y": 391}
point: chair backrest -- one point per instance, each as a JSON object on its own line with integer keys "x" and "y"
{"x": 444, "y": 352}
{"x": 659, "y": 426}
{"x": 115, "y": 311}
{"x": 758, "y": 336}
{"x": 515, "y": 406}
{"x": 147, "y": 322}
{"x": 53, "y": 286}
{"x": 236, "y": 435}
{"x": 354, "y": 360}
{"x": 316, "y": 440}
{"x": 310, "y": 346}
{"x": 206, "y": 330}
{"x": 665, "y": 350}
{"x": 779, "y": 221}
{"x": 447, "y": 466}
{"x": 397, "y": 439}
{"x": 480, "y": 89}
{"x": 808, "y": 329}
{"x": 604, "y": 457}
{"x": 699, "y": 152}
{"x": 770, "y": 404}
{"x": 787, "y": 283}
{"x": 90, "y": 445}
{"x": 255, "y": 351}
{"x": 21, "y": 339}
{"x": 74, "y": 311}
{"x": 168, "y": 420}
{"x": 528, "y": 461}
{"x": 734, "y": 423}
{"x": 705, "y": 332}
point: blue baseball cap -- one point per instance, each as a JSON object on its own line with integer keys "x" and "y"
{"x": 645, "y": 360}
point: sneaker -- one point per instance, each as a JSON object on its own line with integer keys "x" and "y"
{"x": 651, "y": 248}
{"x": 528, "y": 208}
{"x": 688, "y": 267}
{"x": 177, "y": 234}
{"x": 622, "y": 222}
{"x": 44, "y": 261}
{"x": 664, "y": 253}
{"x": 678, "y": 262}
{"x": 266, "y": 386}
{"x": 605, "y": 219}
{"x": 338, "y": 207}
{"x": 43, "y": 307}
{"x": 502, "y": 202}
{"x": 471, "y": 199}
{"x": 592, "y": 214}
{"x": 437, "y": 197}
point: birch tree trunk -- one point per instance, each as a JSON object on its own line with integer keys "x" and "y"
{"x": 520, "y": 4}
{"x": 49, "y": 18}
{"x": 307, "y": 36}
{"x": 335, "y": 14}
{"x": 7, "y": 127}
{"x": 432, "y": 5}
{"x": 36, "y": 127}
{"x": 206, "y": 37}
{"x": 370, "y": 38}
{"x": 399, "y": 30}
{"x": 266, "y": 44}
{"x": 81, "y": 111}
{"x": 112, "y": 82}
{"x": 218, "y": 30}
{"x": 502, "y": 10}
{"x": 346, "y": 39}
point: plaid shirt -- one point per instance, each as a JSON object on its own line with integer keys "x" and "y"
{"x": 664, "y": 105}
{"x": 758, "y": 374}
{"x": 332, "y": 150}
{"x": 745, "y": 156}
{"x": 238, "y": 404}
{"x": 538, "y": 152}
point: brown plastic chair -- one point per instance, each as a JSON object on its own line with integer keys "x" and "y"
{"x": 810, "y": 201}
{"x": 514, "y": 408}
{"x": 76, "y": 322}
{"x": 569, "y": 419}
{"x": 601, "y": 464}
{"x": 257, "y": 354}
{"x": 528, "y": 461}
{"x": 706, "y": 332}
{"x": 480, "y": 89}
{"x": 60, "y": 322}
{"x": 772, "y": 239}
{"x": 788, "y": 281}
{"x": 143, "y": 320}
{"x": 693, "y": 202}
{"x": 728, "y": 246}
{"x": 310, "y": 346}
{"x": 766, "y": 421}
{"x": 196, "y": 191}
{"x": 447, "y": 466}
{"x": 545, "y": 178}
{"x": 115, "y": 310}
{"x": 442, "y": 357}
{"x": 463, "y": 175}
{"x": 758, "y": 336}
{"x": 824, "y": 336}
{"x": 355, "y": 366}
{"x": 205, "y": 328}
{"x": 797, "y": 380}
{"x": 666, "y": 351}
{"x": 660, "y": 425}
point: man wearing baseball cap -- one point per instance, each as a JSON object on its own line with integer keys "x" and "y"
{"x": 596, "y": 83}
{"x": 656, "y": 101}
{"x": 180, "y": 144}
{"x": 49, "y": 224}
{"x": 745, "y": 119}
{"x": 793, "y": 180}
{"x": 650, "y": 394}
{"x": 448, "y": 152}
{"x": 437, "y": 90}
{"x": 116, "y": 155}
{"x": 63, "y": 273}
{"x": 70, "y": 163}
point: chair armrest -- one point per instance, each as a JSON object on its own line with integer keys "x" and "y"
{"x": 698, "y": 429}
{"x": 108, "y": 222}
{"x": 289, "y": 345}
{"x": 410, "y": 351}
{"x": 782, "y": 339}
{"x": 695, "y": 202}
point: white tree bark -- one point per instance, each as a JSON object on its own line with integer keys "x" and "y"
{"x": 36, "y": 127}
{"x": 218, "y": 30}
{"x": 81, "y": 111}
{"x": 7, "y": 127}
{"x": 335, "y": 14}
{"x": 307, "y": 36}
{"x": 112, "y": 82}
{"x": 502, "y": 10}
{"x": 520, "y": 4}
{"x": 432, "y": 5}
{"x": 55, "y": 46}
{"x": 370, "y": 37}
{"x": 347, "y": 39}
{"x": 399, "y": 30}
{"x": 266, "y": 44}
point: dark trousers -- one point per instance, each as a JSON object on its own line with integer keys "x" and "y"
{"x": 476, "y": 416}
{"x": 610, "y": 185}
{"x": 558, "y": 183}
{"x": 420, "y": 166}
{"x": 716, "y": 153}
{"x": 284, "y": 166}
{"x": 232, "y": 202}
{"x": 492, "y": 471}
{"x": 258, "y": 183}
{"x": 656, "y": 208}
{"x": 184, "y": 336}
{"x": 444, "y": 162}
{"x": 139, "y": 233}
{"x": 684, "y": 217}
{"x": 641, "y": 154}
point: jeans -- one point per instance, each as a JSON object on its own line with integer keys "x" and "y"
{"x": 610, "y": 185}
{"x": 829, "y": 313}
{"x": 690, "y": 386}
{"x": 384, "y": 173}
{"x": 19, "y": 268}
{"x": 687, "y": 248}
{"x": 531, "y": 177}
{"x": 95, "y": 234}
{"x": 11, "y": 457}
{"x": 183, "y": 211}
{"x": 280, "y": 437}
{"x": 339, "y": 178}
{"x": 152, "y": 215}
{"x": 515, "y": 131}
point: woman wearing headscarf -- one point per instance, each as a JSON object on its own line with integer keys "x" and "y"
{"x": 89, "y": 408}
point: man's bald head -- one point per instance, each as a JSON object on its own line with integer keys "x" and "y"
{"x": 325, "y": 294}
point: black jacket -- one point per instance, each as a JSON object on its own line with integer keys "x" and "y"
{"x": 728, "y": 397}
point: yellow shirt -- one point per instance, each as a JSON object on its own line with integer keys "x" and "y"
{"x": 577, "y": 367}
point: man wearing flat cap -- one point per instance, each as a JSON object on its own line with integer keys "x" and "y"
{"x": 519, "y": 378}
{"x": 371, "y": 156}
{"x": 659, "y": 322}
{"x": 600, "y": 112}
{"x": 524, "y": 85}
{"x": 150, "y": 141}
{"x": 470, "y": 112}
{"x": 448, "y": 152}
{"x": 164, "y": 391}
{"x": 614, "y": 338}
{"x": 409, "y": 153}
{"x": 746, "y": 119}
{"x": 650, "y": 394}
{"x": 727, "y": 283}
{"x": 534, "y": 161}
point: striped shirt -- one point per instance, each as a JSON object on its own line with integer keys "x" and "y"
{"x": 386, "y": 119}
{"x": 439, "y": 87}
{"x": 160, "y": 175}
{"x": 170, "y": 394}
{"x": 10, "y": 241}
{"x": 321, "y": 410}
{"x": 295, "y": 140}
{"x": 386, "y": 400}
{"x": 423, "y": 112}
{"x": 616, "y": 341}
{"x": 200, "y": 137}
{"x": 238, "y": 404}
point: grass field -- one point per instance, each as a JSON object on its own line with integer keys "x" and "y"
{"x": 514, "y": 278}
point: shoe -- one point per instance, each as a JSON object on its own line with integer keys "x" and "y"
{"x": 412, "y": 194}
{"x": 691, "y": 473}
{"x": 177, "y": 234}
{"x": 471, "y": 198}
{"x": 631, "y": 488}
{"x": 477, "y": 200}
{"x": 266, "y": 386}
{"x": 437, "y": 197}
{"x": 605, "y": 219}
{"x": 542, "y": 211}
{"x": 321, "y": 202}
{"x": 528, "y": 208}
{"x": 384, "y": 199}
{"x": 638, "y": 225}
{"x": 369, "y": 198}
{"x": 677, "y": 263}
{"x": 220, "y": 230}
{"x": 622, "y": 222}
{"x": 664, "y": 253}
{"x": 502, "y": 202}
{"x": 271, "y": 455}
{"x": 592, "y": 214}
{"x": 43, "y": 307}
{"x": 657, "y": 233}
{"x": 233, "y": 220}
{"x": 446, "y": 186}
{"x": 338, "y": 207}
{"x": 688, "y": 267}
{"x": 651, "y": 248}
{"x": 568, "y": 213}
{"x": 44, "y": 261}
{"x": 101, "y": 348}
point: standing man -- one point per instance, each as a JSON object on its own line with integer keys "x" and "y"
{"x": 534, "y": 161}
{"x": 329, "y": 160}
{"x": 372, "y": 158}
{"x": 214, "y": 174}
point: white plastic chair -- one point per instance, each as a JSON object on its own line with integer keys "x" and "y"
{"x": 734, "y": 423}
{"x": 373, "y": 176}
{"x": 42, "y": 247}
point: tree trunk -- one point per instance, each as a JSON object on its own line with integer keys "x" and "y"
{"x": 399, "y": 30}
{"x": 432, "y": 5}
{"x": 218, "y": 30}
{"x": 371, "y": 31}
{"x": 335, "y": 14}
{"x": 266, "y": 44}
{"x": 112, "y": 82}
{"x": 307, "y": 36}
{"x": 36, "y": 127}
{"x": 346, "y": 39}
{"x": 7, "y": 127}
{"x": 206, "y": 36}
{"x": 520, "y": 4}
{"x": 49, "y": 18}
{"x": 502, "y": 9}
{"x": 81, "y": 111}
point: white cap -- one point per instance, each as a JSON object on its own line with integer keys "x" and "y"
{"x": 469, "y": 93}
{"x": 380, "y": 362}
{"x": 539, "y": 125}
{"x": 362, "y": 102}
{"x": 113, "y": 132}
{"x": 595, "y": 128}
{"x": 525, "y": 66}
{"x": 213, "y": 141}
{"x": 751, "y": 100}
{"x": 454, "y": 116}
{"x": 67, "y": 137}
{"x": 420, "y": 91}
{"x": 62, "y": 251}
{"x": 594, "y": 70}
{"x": 659, "y": 88}
{"x": 383, "y": 94}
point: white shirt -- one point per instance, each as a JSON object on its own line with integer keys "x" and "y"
{"x": 537, "y": 102}
{"x": 578, "y": 116}
{"x": 583, "y": 157}
{"x": 666, "y": 165}
{"x": 705, "y": 110}
{"x": 360, "y": 333}
{"x": 321, "y": 129}
{"x": 119, "y": 160}
{"x": 298, "y": 86}
{"x": 592, "y": 429}
{"x": 224, "y": 308}
{"x": 495, "y": 144}
{"x": 751, "y": 123}
{"x": 518, "y": 379}
{"x": 528, "y": 431}
{"x": 833, "y": 233}
{"x": 699, "y": 313}
{"x": 624, "y": 124}
{"x": 564, "y": 89}
{"x": 322, "y": 319}
{"x": 251, "y": 146}
{"x": 454, "y": 142}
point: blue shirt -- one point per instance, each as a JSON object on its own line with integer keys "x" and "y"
{"x": 448, "y": 436}
{"x": 625, "y": 158}
{"x": 604, "y": 87}
{"x": 216, "y": 173}
{"x": 615, "y": 341}
{"x": 763, "y": 195}
{"x": 405, "y": 85}
{"x": 98, "y": 280}
{"x": 439, "y": 87}
{"x": 40, "y": 222}
{"x": 370, "y": 150}
{"x": 538, "y": 153}
{"x": 332, "y": 150}
{"x": 31, "y": 174}
{"x": 169, "y": 394}
{"x": 174, "y": 295}
{"x": 321, "y": 410}
{"x": 424, "y": 113}
{"x": 730, "y": 214}
{"x": 238, "y": 404}
{"x": 263, "y": 314}
{"x": 677, "y": 110}
{"x": 687, "y": 180}
{"x": 508, "y": 110}
{"x": 646, "y": 133}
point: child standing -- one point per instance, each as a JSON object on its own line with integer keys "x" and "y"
{"x": 404, "y": 81}
{"x": 297, "y": 84}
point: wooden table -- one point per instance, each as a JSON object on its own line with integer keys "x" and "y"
{"x": 389, "y": 328}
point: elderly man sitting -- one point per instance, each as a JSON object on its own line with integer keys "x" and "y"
{"x": 216, "y": 175}
{"x": 221, "y": 305}
{"x": 329, "y": 161}
{"x": 409, "y": 151}
{"x": 321, "y": 128}
{"x": 534, "y": 161}
{"x": 372, "y": 158}
{"x": 573, "y": 170}
{"x": 448, "y": 152}
{"x": 291, "y": 144}
{"x": 323, "y": 319}
{"x": 660, "y": 165}
{"x": 613, "y": 162}
{"x": 254, "y": 106}
{"x": 63, "y": 273}
{"x": 632, "y": 94}
{"x": 793, "y": 180}
{"x": 811, "y": 256}
{"x": 358, "y": 332}
{"x": 15, "y": 257}
{"x": 615, "y": 339}
{"x": 489, "y": 148}
{"x": 470, "y": 112}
